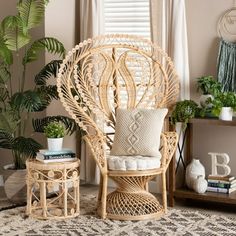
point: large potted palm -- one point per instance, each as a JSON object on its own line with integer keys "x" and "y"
{"x": 18, "y": 104}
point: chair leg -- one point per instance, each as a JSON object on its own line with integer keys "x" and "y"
{"x": 100, "y": 189}
{"x": 104, "y": 197}
{"x": 164, "y": 197}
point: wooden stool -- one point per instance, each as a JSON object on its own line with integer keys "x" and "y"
{"x": 59, "y": 178}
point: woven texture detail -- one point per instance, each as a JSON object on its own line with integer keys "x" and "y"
{"x": 138, "y": 131}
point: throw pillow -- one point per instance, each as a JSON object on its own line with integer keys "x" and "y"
{"x": 137, "y": 132}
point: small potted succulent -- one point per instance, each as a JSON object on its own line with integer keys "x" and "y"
{"x": 54, "y": 131}
{"x": 224, "y": 104}
{"x": 209, "y": 88}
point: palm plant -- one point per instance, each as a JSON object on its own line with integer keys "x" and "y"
{"x": 18, "y": 105}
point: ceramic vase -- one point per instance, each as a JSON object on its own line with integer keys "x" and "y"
{"x": 55, "y": 144}
{"x": 200, "y": 184}
{"x": 203, "y": 100}
{"x": 226, "y": 113}
{"x": 193, "y": 170}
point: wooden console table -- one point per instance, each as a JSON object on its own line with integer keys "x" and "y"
{"x": 185, "y": 193}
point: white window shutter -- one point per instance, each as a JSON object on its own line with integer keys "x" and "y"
{"x": 127, "y": 17}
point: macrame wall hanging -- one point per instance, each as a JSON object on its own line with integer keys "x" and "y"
{"x": 226, "y": 62}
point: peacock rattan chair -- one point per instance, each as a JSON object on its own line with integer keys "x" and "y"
{"x": 105, "y": 73}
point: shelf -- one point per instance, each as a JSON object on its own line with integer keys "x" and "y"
{"x": 213, "y": 121}
{"x": 207, "y": 196}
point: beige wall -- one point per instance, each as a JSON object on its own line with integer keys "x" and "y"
{"x": 202, "y": 17}
{"x": 60, "y": 23}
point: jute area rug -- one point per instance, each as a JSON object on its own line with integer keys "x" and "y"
{"x": 176, "y": 222}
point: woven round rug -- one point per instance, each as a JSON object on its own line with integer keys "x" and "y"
{"x": 175, "y": 222}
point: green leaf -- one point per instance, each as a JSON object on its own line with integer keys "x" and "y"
{"x": 28, "y": 100}
{"x": 3, "y": 94}
{"x": 4, "y": 74}
{"x": 6, "y": 139}
{"x": 31, "y": 12}
{"x": 8, "y": 121}
{"x": 39, "y": 124}
{"x": 5, "y": 53}
{"x": 48, "y": 71}
{"x": 12, "y": 28}
{"x": 52, "y": 45}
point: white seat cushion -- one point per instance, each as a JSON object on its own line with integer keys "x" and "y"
{"x": 133, "y": 162}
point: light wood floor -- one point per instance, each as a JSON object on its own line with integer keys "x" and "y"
{"x": 211, "y": 208}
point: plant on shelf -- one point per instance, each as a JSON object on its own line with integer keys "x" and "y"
{"x": 19, "y": 101}
{"x": 184, "y": 111}
{"x": 209, "y": 88}
{"x": 54, "y": 131}
{"x": 208, "y": 85}
{"x": 224, "y": 104}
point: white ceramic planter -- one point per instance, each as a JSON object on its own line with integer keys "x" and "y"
{"x": 226, "y": 113}
{"x": 203, "y": 99}
{"x": 55, "y": 144}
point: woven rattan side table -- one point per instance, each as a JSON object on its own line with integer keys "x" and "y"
{"x": 58, "y": 179}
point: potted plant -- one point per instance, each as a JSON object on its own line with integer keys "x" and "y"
{"x": 19, "y": 101}
{"x": 223, "y": 105}
{"x": 209, "y": 88}
{"x": 54, "y": 131}
{"x": 184, "y": 111}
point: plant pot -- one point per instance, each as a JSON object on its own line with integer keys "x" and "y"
{"x": 15, "y": 184}
{"x": 203, "y": 99}
{"x": 55, "y": 144}
{"x": 226, "y": 113}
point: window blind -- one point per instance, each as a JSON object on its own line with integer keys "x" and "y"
{"x": 127, "y": 17}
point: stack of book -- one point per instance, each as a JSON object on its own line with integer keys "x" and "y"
{"x": 221, "y": 184}
{"x": 47, "y": 156}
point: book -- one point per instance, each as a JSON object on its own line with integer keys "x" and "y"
{"x": 56, "y": 160}
{"x": 221, "y": 181}
{"x": 55, "y": 156}
{"x": 218, "y": 177}
{"x": 221, "y": 185}
{"x": 62, "y": 151}
{"x": 220, "y": 190}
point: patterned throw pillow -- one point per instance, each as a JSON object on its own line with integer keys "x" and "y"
{"x": 137, "y": 132}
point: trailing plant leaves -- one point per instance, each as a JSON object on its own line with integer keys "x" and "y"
{"x": 8, "y": 121}
{"x": 6, "y": 139}
{"x": 12, "y": 28}
{"x": 28, "y": 100}
{"x": 39, "y": 124}
{"x": 49, "y": 70}
{"x": 3, "y": 95}
{"x": 31, "y": 12}
{"x": 52, "y": 45}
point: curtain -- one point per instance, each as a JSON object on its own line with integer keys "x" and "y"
{"x": 89, "y": 15}
{"x": 169, "y": 30}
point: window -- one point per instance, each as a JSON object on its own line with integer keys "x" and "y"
{"x": 127, "y": 17}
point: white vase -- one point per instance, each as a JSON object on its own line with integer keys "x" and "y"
{"x": 55, "y": 144}
{"x": 226, "y": 113}
{"x": 200, "y": 184}
{"x": 193, "y": 170}
{"x": 203, "y": 99}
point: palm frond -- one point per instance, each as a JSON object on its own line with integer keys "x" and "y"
{"x": 6, "y": 139}
{"x": 4, "y": 74}
{"x": 5, "y": 53}
{"x": 70, "y": 124}
{"x": 28, "y": 100}
{"x": 31, "y": 12}
{"x": 48, "y": 70}
{"x": 12, "y": 28}
{"x": 52, "y": 45}
{"x": 3, "y": 94}
{"x": 24, "y": 148}
{"x": 8, "y": 121}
